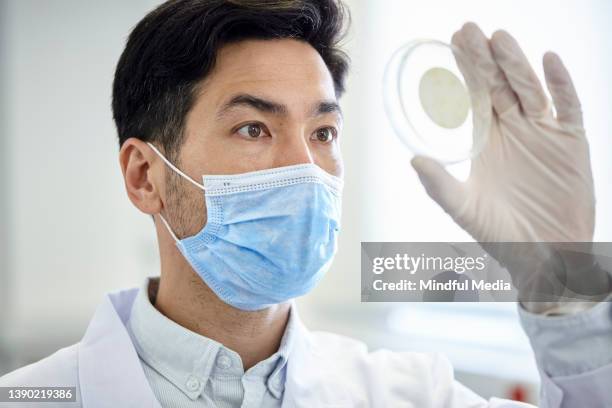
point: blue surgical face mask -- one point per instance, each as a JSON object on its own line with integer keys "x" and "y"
{"x": 270, "y": 235}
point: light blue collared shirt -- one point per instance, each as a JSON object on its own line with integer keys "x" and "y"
{"x": 186, "y": 369}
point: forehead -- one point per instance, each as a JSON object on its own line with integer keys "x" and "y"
{"x": 286, "y": 70}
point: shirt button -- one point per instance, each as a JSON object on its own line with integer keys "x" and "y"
{"x": 193, "y": 384}
{"x": 224, "y": 362}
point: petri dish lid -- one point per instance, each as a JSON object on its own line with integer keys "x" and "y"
{"x": 437, "y": 104}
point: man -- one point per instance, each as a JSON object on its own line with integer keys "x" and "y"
{"x": 246, "y": 93}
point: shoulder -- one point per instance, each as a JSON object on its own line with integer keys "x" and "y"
{"x": 351, "y": 350}
{"x": 393, "y": 377}
{"x": 59, "y": 369}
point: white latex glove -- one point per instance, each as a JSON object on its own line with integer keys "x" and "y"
{"x": 532, "y": 181}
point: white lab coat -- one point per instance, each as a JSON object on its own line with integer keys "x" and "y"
{"x": 324, "y": 370}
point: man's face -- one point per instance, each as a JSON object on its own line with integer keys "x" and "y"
{"x": 265, "y": 104}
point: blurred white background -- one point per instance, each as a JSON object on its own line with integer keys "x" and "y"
{"x": 68, "y": 233}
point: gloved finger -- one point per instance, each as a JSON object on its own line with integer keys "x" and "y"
{"x": 471, "y": 40}
{"x": 562, "y": 90}
{"x": 519, "y": 73}
{"x": 442, "y": 187}
{"x": 464, "y": 64}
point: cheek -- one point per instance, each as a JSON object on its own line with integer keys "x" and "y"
{"x": 220, "y": 152}
{"x": 329, "y": 158}
{"x": 339, "y": 167}
{"x": 195, "y": 212}
{"x": 187, "y": 207}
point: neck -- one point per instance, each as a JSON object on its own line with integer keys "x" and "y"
{"x": 184, "y": 298}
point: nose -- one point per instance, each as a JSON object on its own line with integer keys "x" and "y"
{"x": 292, "y": 150}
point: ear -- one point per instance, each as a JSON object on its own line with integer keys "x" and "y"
{"x": 143, "y": 175}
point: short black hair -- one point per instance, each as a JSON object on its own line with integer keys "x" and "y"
{"x": 173, "y": 48}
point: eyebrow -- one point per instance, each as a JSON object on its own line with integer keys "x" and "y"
{"x": 274, "y": 108}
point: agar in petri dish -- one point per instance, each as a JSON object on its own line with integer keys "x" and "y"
{"x": 438, "y": 105}
{"x": 444, "y": 98}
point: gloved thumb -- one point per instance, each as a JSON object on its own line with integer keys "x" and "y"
{"x": 440, "y": 185}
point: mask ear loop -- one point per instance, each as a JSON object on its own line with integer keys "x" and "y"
{"x": 173, "y": 167}
{"x": 185, "y": 176}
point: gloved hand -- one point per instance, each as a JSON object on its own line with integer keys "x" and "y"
{"x": 532, "y": 181}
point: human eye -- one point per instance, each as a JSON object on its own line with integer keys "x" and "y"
{"x": 252, "y": 131}
{"x": 325, "y": 134}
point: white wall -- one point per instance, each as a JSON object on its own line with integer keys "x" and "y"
{"x": 4, "y": 215}
{"x": 72, "y": 234}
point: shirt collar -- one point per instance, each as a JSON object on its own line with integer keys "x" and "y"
{"x": 188, "y": 359}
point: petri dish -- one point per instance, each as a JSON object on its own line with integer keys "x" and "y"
{"x": 437, "y": 104}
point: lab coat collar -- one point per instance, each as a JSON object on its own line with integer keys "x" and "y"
{"x": 110, "y": 373}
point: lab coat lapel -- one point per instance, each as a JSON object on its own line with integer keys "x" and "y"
{"x": 312, "y": 378}
{"x": 110, "y": 373}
